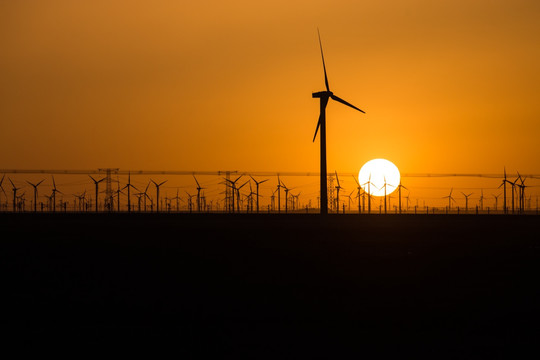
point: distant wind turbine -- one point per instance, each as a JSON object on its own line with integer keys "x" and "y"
{"x": 503, "y": 184}
{"x": 199, "y": 188}
{"x": 128, "y": 186}
{"x": 496, "y": 200}
{"x": 2, "y": 188}
{"x": 466, "y": 201}
{"x": 96, "y": 182}
{"x": 359, "y": 188}
{"x": 324, "y": 96}
{"x": 338, "y": 187}
{"x": 35, "y": 192}
{"x": 157, "y": 192}
{"x": 368, "y": 183}
{"x": 54, "y": 191}
{"x": 450, "y": 199}
{"x": 400, "y": 186}
{"x": 14, "y": 188}
{"x": 257, "y": 183}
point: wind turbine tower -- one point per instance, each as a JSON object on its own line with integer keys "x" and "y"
{"x": 323, "y": 97}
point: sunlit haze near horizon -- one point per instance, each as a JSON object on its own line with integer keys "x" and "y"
{"x": 447, "y": 86}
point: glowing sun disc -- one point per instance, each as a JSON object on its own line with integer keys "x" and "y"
{"x": 375, "y": 173}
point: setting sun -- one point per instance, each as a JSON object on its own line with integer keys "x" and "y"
{"x": 377, "y": 173}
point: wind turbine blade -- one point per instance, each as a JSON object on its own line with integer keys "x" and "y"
{"x": 54, "y": 184}
{"x": 263, "y": 181}
{"x": 196, "y": 181}
{"x": 334, "y": 97}
{"x": 354, "y": 177}
{"x": 163, "y": 182}
{"x": 40, "y": 182}
{"x": 337, "y": 178}
{"x": 323, "y": 64}
{"x": 317, "y": 128}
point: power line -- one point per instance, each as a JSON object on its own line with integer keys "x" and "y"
{"x": 245, "y": 173}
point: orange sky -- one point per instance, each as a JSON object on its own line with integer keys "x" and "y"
{"x": 447, "y": 86}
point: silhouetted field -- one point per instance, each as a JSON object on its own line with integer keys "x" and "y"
{"x": 273, "y": 285}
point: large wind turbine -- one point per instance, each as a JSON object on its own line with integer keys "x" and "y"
{"x": 324, "y": 96}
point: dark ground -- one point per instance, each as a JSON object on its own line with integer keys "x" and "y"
{"x": 273, "y": 286}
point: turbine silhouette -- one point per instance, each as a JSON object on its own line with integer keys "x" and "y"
{"x": 324, "y": 96}
{"x": 35, "y": 192}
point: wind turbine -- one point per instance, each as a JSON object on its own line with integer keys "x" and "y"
{"x": 297, "y": 200}
{"x": 481, "y": 200}
{"x": 54, "y": 191}
{"x": 384, "y": 185}
{"x": 503, "y": 184}
{"x": 2, "y": 188}
{"x": 273, "y": 201}
{"x": 96, "y": 182}
{"x": 20, "y": 202}
{"x": 522, "y": 187}
{"x": 238, "y": 195}
{"x": 35, "y": 193}
{"x": 145, "y": 194}
{"x": 349, "y": 196}
{"x": 128, "y": 186}
{"x": 157, "y": 192}
{"x": 496, "y": 200}
{"x": 118, "y": 192}
{"x": 338, "y": 187}
{"x": 450, "y": 199}
{"x": 278, "y": 194}
{"x": 257, "y": 183}
{"x": 466, "y": 201}
{"x": 190, "y": 202}
{"x": 81, "y": 200}
{"x": 369, "y": 193}
{"x": 14, "y": 194}
{"x": 199, "y": 188}
{"x": 232, "y": 184}
{"x": 324, "y": 96}
{"x": 286, "y": 195}
{"x": 177, "y": 198}
{"x": 358, "y": 187}
{"x": 399, "y": 192}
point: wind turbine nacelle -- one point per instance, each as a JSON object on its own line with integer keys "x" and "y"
{"x": 322, "y": 94}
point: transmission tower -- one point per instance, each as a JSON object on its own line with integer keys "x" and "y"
{"x": 331, "y": 199}
{"x": 108, "y": 187}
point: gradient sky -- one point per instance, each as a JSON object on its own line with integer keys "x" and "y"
{"x": 447, "y": 86}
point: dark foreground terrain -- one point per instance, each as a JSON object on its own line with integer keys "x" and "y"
{"x": 272, "y": 286}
